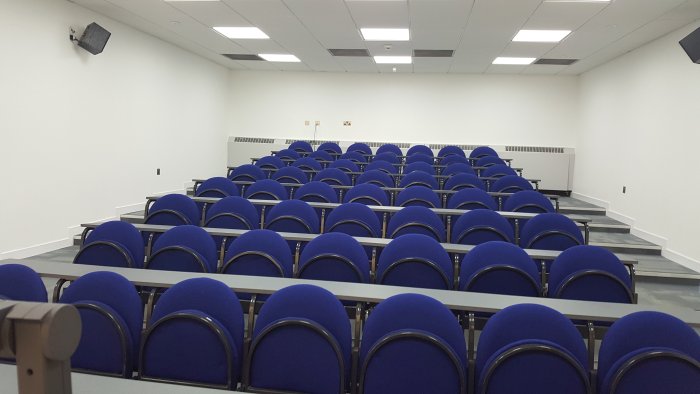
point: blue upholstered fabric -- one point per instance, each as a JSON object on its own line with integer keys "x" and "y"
{"x": 307, "y": 163}
{"x": 458, "y": 168}
{"x": 173, "y": 210}
{"x": 336, "y": 257}
{"x": 301, "y": 146}
{"x": 248, "y": 173}
{"x": 292, "y": 216}
{"x": 472, "y": 199}
{"x": 360, "y": 147}
{"x": 185, "y": 349}
{"x": 418, "y": 196}
{"x": 498, "y": 171}
{"x": 530, "y": 201}
{"x": 483, "y": 151}
{"x": 550, "y": 231}
{"x": 531, "y": 371}
{"x": 381, "y": 165}
{"x": 450, "y": 150}
{"x": 416, "y": 220}
{"x": 259, "y": 253}
{"x": 112, "y": 244}
{"x": 367, "y": 194}
{"x": 420, "y": 178}
{"x": 377, "y": 177}
{"x": 415, "y": 260}
{"x": 488, "y": 161}
{"x": 355, "y": 157}
{"x": 463, "y": 181}
{"x": 333, "y": 176}
{"x": 100, "y": 347}
{"x": 419, "y": 166}
{"x": 316, "y": 191}
{"x": 320, "y": 155}
{"x": 217, "y": 187}
{"x": 269, "y": 162}
{"x": 511, "y": 184}
{"x": 290, "y": 175}
{"x": 565, "y": 280}
{"x": 499, "y": 267}
{"x": 389, "y": 148}
{"x": 288, "y": 354}
{"x": 266, "y": 189}
{"x": 21, "y": 283}
{"x": 390, "y": 157}
{"x": 232, "y": 213}
{"x": 179, "y": 248}
{"x": 345, "y": 165}
{"x": 423, "y": 149}
{"x": 412, "y": 364}
{"x": 330, "y": 147}
{"x": 287, "y": 154}
{"x": 420, "y": 158}
{"x": 643, "y": 333}
{"x": 354, "y": 219}
{"x": 453, "y": 159}
{"x": 479, "y": 226}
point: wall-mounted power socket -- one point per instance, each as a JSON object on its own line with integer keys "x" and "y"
{"x": 157, "y": 171}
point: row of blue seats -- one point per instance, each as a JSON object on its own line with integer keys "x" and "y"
{"x": 302, "y": 341}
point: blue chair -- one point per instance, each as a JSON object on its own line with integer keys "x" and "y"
{"x": 511, "y": 184}
{"x": 529, "y": 201}
{"x": 333, "y": 177}
{"x": 232, "y": 213}
{"x": 290, "y": 175}
{"x": 482, "y": 151}
{"x": 354, "y": 219}
{"x": 419, "y": 166}
{"x": 111, "y": 316}
{"x": 416, "y": 220}
{"x": 195, "y": 336}
{"x": 464, "y": 181}
{"x": 498, "y": 171}
{"x": 184, "y": 248}
{"x": 480, "y": 226}
{"x": 355, "y": 157}
{"x": 301, "y": 343}
{"x": 498, "y": 267}
{"x": 259, "y": 253}
{"x": 488, "y": 161}
{"x": 389, "y": 157}
{"x": 420, "y": 158}
{"x": 307, "y": 164}
{"x": 112, "y": 244}
{"x": 590, "y": 273}
{"x": 321, "y": 156}
{"x": 301, "y": 147}
{"x": 292, "y": 216}
{"x": 217, "y": 187}
{"x": 269, "y": 164}
{"x": 21, "y": 283}
{"x": 415, "y": 260}
{"x": 649, "y": 352}
{"x": 458, "y": 168}
{"x": 316, "y": 191}
{"x": 345, "y": 165}
{"x": 389, "y": 148}
{"x": 420, "y": 178}
{"x": 412, "y": 343}
{"x": 423, "y": 149}
{"x": 471, "y": 199}
{"x": 330, "y": 147}
{"x": 368, "y": 194}
{"x": 376, "y": 177}
{"x": 247, "y": 173}
{"x": 418, "y": 196}
{"x": 449, "y": 150}
{"x": 266, "y": 189}
{"x": 360, "y": 147}
{"x": 336, "y": 257}
{"x": 550, "y": 231}
{"x": 287, "y": 155}
{"x": 531, "y": 348}
{"x": 173, "y": 210}
{"x": 381, "y": 165}
{"x": 453, "y": 159}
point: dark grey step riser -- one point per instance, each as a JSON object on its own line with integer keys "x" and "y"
{"x": 631, "y": 249}
{"x": 593, "y": 212}
{"x": 648, "y": 277}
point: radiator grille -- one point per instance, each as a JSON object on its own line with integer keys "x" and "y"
{"x": 463, "y": 147}
{"x": 255, "y": 140}
{"x": 534, "y": 149}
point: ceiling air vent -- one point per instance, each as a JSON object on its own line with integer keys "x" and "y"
{"x": 254, "y": 140}
{"x": 433, "y": 52}
{"x": 242, "y": 56}
{"x": 556, "y": 62}
{"x": 349, "y": 52}
{"x": 534, "y": 149}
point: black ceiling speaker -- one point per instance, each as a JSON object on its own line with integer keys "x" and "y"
{"x": 691, "y": 45}
{"x": 94, "y": 38}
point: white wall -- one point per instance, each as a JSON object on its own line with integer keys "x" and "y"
{"x": 639, "y": 128}
{"x": 83, "y": 135}
{"x": 469, "y": 109}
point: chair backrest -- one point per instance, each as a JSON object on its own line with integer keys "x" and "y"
{"x": 498, "y": 171}
{"x": 377, "y": 177}
{"x": 464, "y": 181}
{"x": 511, "y": 184}
{"x": 247, "y": 173}
{"x": 173, "y": 210}
{"x": 355, "y": 157}
{"x": 354, "y": 219}
{"x": 499, "y": 267}
{"x": 111, "y": 315}
{"x": 330, "y": 147}
{"x": 550, "y": 231}
{"x": 479, "y": 226}
{"x": 258, "y": 253}
{"x": 590, "y": 273}
{"x": 419, "y": 178}
{"x": 292, "y": 216}
{"x": 488, "y": 161}
{"x": 336, "y": 257}
{"x": 112, "y": 244}
{"x": 531, "y": 348}
{"x": 368, "y": 194}
{"x": 333, "y": 177}
{"x": 307, "y": 163}
{"x": 269, "y": 163}
{"x": 232, "y": 213}
{"x": 287, "y": 154}
{"x": 301, "y": 343}
{"x": 389, "y": 148}
{"x": 419, "y": 166}
{"x": 450, "y": 150}
{"x": 415, "y": 260}
{"x": 360, "y": 147}
{"x": 458, "y": 168}
{"x": 472, "y": 199}
{"x": 388, "y": 157}
{"x": 649, "y": 352}
{"x": 418, "y": 196}
{"x": 412, "y": 343}
{"x": 381, "y": 165}
{"x": 184, "y": 248}
{"x": 290, "y": 174}
{"x": 301, "y": 147}
{"x": 320, "y": 155}
{"x": 416, "y": 220}
{"x": 529, "y": 201}
{"x": 316, "y": 191}
{"x": 346, "y": 165}
{"x": 420, "y": 158}
{"x": 482, "y": 151}
{"x": 217, "y": 187}
{"x": 21, "y": 283}
{"x": 424, "y": 149}
{"x": 195, "y": 335}
{"x": 266, "y": 189}
{"x": 452, "y": 159}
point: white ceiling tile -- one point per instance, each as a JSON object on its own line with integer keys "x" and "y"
{"x": 431, "y": 64}
{"x": 390, "y": 14}
{"x": 443, "y": 14}
{"x": 563, "y": 16}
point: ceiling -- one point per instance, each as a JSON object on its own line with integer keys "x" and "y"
{"x": 477, "y": 30}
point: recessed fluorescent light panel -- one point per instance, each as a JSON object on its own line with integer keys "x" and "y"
{"x": 247, "y": 33}
{"x": 392, "y": 59}
{"x": 514, "y": 60}
{"x": 271, "y": 57}
{"x": 541, "y": 35}
{"x": 372, "y": 34}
